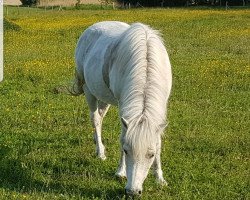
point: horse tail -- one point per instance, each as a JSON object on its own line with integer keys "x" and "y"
{"x": 77, "y": 86}
{"x": 75, "y": 89}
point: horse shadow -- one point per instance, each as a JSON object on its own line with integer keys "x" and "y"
{"x": 16, "y": 177}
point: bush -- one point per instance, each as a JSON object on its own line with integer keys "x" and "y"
{"x": 29, "y": 2}
{"x": 175, "y": 2}
{"x": 235, "y": 2}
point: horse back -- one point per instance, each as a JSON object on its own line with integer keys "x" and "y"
{"x": 93, "y": 53}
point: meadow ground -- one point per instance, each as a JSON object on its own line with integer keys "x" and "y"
{"x": 46, "y": 144}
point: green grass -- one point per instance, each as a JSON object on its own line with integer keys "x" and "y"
{"x": 46, "y": 144}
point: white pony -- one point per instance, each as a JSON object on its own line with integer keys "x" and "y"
{"x": 128, "y": 66}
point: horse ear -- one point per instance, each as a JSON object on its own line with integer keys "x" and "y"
{"x": 124, "y": 122}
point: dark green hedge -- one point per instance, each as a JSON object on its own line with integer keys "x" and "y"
{"x": 29, "y": 2}
{"x": 152, "y": 3}
{"x": 157, "y": 3}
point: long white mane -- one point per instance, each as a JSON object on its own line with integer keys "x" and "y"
{"x": 145, "y": 83}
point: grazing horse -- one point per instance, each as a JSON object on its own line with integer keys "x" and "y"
{"x": 128, "y": 66}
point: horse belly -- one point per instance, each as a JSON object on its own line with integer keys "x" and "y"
{"x": 102, "y": 93}
{"x": 107, "y": 97}
{"x": 96, "y": 85}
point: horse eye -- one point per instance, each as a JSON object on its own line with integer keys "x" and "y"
{"x": 125, "y": 151}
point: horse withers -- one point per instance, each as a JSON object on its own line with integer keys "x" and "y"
{"x": 128, "y": 66}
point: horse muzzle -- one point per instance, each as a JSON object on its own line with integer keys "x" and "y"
{"x": 133, "y": 194}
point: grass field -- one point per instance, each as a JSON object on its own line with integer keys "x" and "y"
{"x": 46, "y": 144}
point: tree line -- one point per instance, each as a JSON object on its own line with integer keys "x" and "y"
{"x": 163, "y": 3}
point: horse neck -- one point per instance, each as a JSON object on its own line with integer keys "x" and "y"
{"x": 144, "y": 83}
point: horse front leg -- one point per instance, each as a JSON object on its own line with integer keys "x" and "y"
{"x": 121, "y": 171}
{"x": 157, "y": 166}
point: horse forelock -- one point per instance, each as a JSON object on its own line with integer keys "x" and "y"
{"x": 140, "y": 135}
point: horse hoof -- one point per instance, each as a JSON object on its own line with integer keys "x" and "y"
{"x": 162, "y": 182}
{"x": 121, "y": 175}
{"x": 103, "y": 157}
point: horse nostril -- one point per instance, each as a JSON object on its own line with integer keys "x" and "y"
{"x": 139, "y": 192}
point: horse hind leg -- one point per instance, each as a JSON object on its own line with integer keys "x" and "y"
{"x": 99, "y": 115}
{"x": 97, "y": 112}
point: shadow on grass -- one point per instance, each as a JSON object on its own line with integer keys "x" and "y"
{"x": 23, "y": 186}
{"x": 14, "y": 175}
